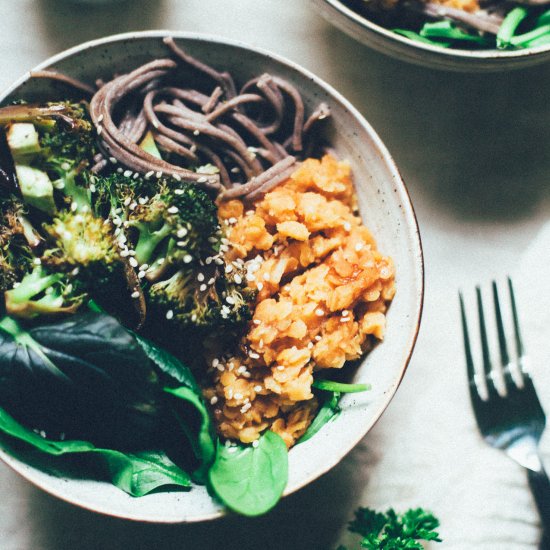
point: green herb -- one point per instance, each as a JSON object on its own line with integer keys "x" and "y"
{"x": 446, "y": 29}
{"x": 328, "y": 411}
{"x": 340, "y": 387}
{"x": 135, "y": 473}
{"x": 391, "y": 531}
{"x": 419, "y": 38}
{"x": 509, "y": 26}
{"x": 250, "y": 480}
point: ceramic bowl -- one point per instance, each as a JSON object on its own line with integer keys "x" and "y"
{"x": 385, "y": 205}
{"x": 387, "y": 42}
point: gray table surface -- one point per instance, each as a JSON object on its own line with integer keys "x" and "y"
{"x": 473, "y": 151}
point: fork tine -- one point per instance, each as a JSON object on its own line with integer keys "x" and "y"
{"x": 517, "y": 334}
{"x": 487, "y": 368}
{"x": 504, "y": 356}
{"x": 470, "y": 369}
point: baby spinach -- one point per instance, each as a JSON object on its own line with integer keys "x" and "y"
{"x": 250, "y": 480}
{"x": 201, "y": 439}
{"x": 340, "y": 387}
{"x": 135, "y": 473}
{"x": 84, "y": 376}
{"x": 328, "y": 411}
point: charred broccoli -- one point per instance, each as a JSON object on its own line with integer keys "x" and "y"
{"x": 201, "y": 298}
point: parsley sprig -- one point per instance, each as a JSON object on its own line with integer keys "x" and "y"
{"x": 392, "y": 531}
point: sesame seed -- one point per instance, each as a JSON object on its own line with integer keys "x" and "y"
{"x": 127, "y": 201}
{"x": 230, "y": 300}
{"x": 358, "y": 247}
{"x": 253, "y": 355}
{"x": 345, "y": 313}
{"x": 280, "y": 367}
{"x": 319, "y": 312}
{"x": 135, "y": 294}
{"x": 310, "y": 345}
{"x": 119, "y": 170}
{"x": 182, "y": 244}
{"x": 211, "y": 281}
{"x": 127, "y": 173}
{"x": 318, "y": 338}
{"x": 194, "y": 317}
{"x": 202, "y": 179}
{"x": 258, "y": 388}
{"x": 215, "y": 362}
{"x": 113, "y": 160}
{"x": 177, "y": 177}
{"x": 187, "y": 259}
{"x": 221, "y": 367}
{"x": 245, "y": 407}
{"x": 200, "y": 277}
{"x": 238, "y": 279}
{"x": 149, "y": 174}
{"x": 203, "y": 287}
{"x": 159, "y": 174}
{"x": 100, "y": 118}
{"x": 250, "y": 277}
{"x": 74, "y": 206}
{"x": 169, "y": 314}
{"x": 261, "y": 344}
{"x": 257, "y": 322}
{"x": 260, "y": 286}
{"x": 99, "y": 130}
{"x": 208, "y": 260}
{"x": 218, "y": 261}
{"x": 133, "y": 253}
{"x": 142, "y": 200}
{"x": 241, "y": 369}
{"x": 345, "y": 319}
{"x": 228, "y": 268}
{"x": 136, "y": 175}
{"x": 255, "y": 443}
{"x": 182, "y": 231}
{"x": 173, "y": 210}
{"x": 232, "y": 220}
{"x": 238, "y": 396}
{"x": 155, "y": 122}
{"x": 144, "y": 267}
{"x": 141, "y": 274}
{"x": 347, "y": 226}
{"x": 213, "y": 400}
{"x": 266, "y": 276}
{"x": 37, "y": 261}
{"x": 124, "y": 253}
{"x": 196, "y": 133}
{"x": 133, "y": 262}
{"x": 92, "y": 188}
{"x": 232, "y": 450}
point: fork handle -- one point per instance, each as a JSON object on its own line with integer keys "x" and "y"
{"x": 540, "y": 487}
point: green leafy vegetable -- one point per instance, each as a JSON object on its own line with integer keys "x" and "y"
{"x": 85, "y": 377}
{"x": 509, "y": 26}
{"x": 419, "y": 38}
{"x": 135, "y": 473}
{"x": 391, "y": 531}
{"x": 328, "y": 411}
{"x": 340, "y": 387}
{"x": 250, "y": 480}
{"x": 201, "y": 439}
{"x": 448, "y": 30}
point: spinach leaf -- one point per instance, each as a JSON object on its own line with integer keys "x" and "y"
{"x": 340, "y": 387}
{"x": 85, "y": 376}
{"x": 328, "y": 411}
{"x": 168, "y": 363}
{"x": 250, "y": 480}
{"x": 135, "y": 473}
{"x": 202, "y": 442}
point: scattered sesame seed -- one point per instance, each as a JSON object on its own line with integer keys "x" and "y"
{"x": 135, "y": 294}
{"x": 173, "y": 210}
{"x": 241, "y": 369}
{"x": 232, "y": 450}
{"x": 200, "y": 277}
{"x": 238, "y": 396}
{"x": 345, "y": 319}
{"x": 235, "y": 170}
{"x": 74, "y": 206}
{"x": 214, "y": 400}
{"x": 310, "y": 345}
{"x": 345, "y": 313}
{"x": 133, "y": 262}
{"x": 159, "y": 174}
{"x": 177, "y": 177}
{"x": 208, "y": 260}
{"x": 218, "y": 261}
{"x": 358, "y": 247}
{"x": 258, "y": 388}
{"x": 155, "y": 122}
{"x": 99, "y": 130}
{"x": 257, "y": 322}
{"x": 113, "y": 160}
{"x": 37, "y": 261}
{"x": 127, "y": 173}
{"x": 182, "y": 231}
{"x": 124, "y": 253}
{"x": 211, "y": 281}
{"x": 319, "y": 312}
{"x": 119, "y": 170}
{"x": 203, "y": 287}
{"x": 245, "y": 407}
{"x": 255, "y": 443}
{"x": 149, "y": 174}
{"x": 230, "y": 300}
{"x": 194, "y": 317}
{"x": 318, "y": 338}
{"x": 347, "y": 226}
{"x": 238, "y": 279}
{"x": 260, "y": 286}
{"x": 254, "y": 355}
{"x": 187, "y": 259}
{"x": 230, "y": 393}
{"x": 141, "y": 274}
{"x": 136, "y": 175}
{"x": 250, "y": 277}
{"x": 169, "y": 314}
{"x": 196, "y": 133}
{"x": 100, "y": 118}
{"x": 232, "y": 220}
{"x": 280, "y": 367}
{"x": 202, "y": 179}
{"x": 92, "y": 188}
{"x": 228, "y": 268}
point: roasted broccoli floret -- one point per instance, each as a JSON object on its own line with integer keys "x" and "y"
{"x": 176, "y": 226}
{"x": 17, "y": 236}
{"x": 42, "y": 292}
{"x": 200, "y": 298}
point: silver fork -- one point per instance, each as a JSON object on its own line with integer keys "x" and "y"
{"x": 508, "y": 412}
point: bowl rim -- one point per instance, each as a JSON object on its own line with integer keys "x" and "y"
{"x": 451, "y": 53}
{"x": 410, "y": 216}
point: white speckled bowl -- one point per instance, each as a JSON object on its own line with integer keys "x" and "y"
{"x": 434, "y": 57}
{"x": 385, "y": 205}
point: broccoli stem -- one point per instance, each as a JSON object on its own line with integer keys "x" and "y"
{"x": 32, "y": 284}
{"x": 78, "y": 195}
{"x": 148, "y": 241}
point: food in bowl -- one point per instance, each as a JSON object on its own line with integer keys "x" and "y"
{"x": 178, "y": 271}
{"x": 463, "y": 24}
